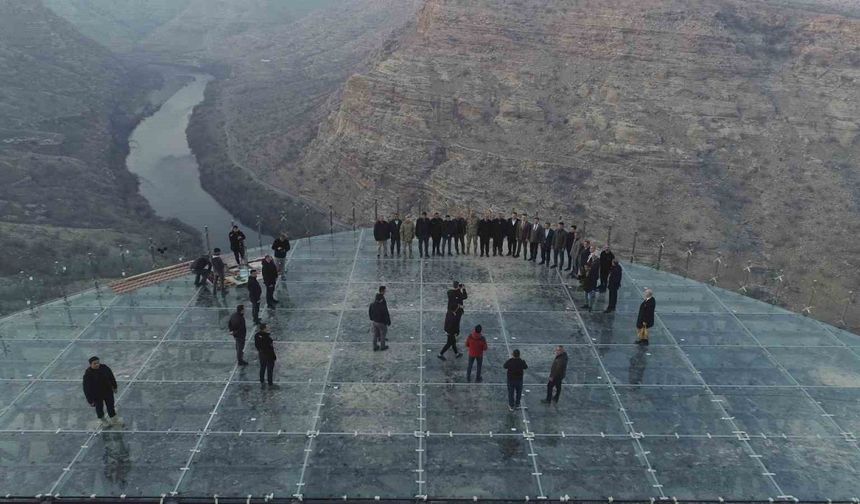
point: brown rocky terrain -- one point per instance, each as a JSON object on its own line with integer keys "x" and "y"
{"x": 732, "y": 125}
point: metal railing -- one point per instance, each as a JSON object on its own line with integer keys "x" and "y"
{"x": 711, "y": 263}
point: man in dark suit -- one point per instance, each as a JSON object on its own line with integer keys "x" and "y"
{"x": 511, "y": 229}
{"x": 546, "y": 244}
{"x": 613, "y": 284}
{"x": 437, "y": 227}
{"x": 254, "y": 294}
{"x": 381, "y": 233}
{"x": 448, "y": 232}
{"x": 460, "y": 235}
{"x": 270, "y": 280}
{"x": 498, "y": 227}
{"x": 394, "y": 231}
{"x": 535, "y": 239}
{"x": 525, "y": 234}
{"x": 422, "y": 231}
{"x": 558, "y": 242}
{"x": 485, "y": 231}
{"x": 645, "y": 319}
{"x": 606, "y": 258}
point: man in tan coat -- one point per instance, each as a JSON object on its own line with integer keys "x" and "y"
{"x": 472, "y": 234}
{"x": 407, "y": 234}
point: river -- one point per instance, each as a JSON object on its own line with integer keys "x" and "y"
{"x": 169, "y": 176}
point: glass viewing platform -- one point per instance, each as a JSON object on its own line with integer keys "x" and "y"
{"x": 734, "y": 398}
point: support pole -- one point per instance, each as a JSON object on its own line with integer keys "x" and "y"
{"x": 93, "y": 273}
{"x": 259, "y": 233}
{"x": 152, "y": 253}
{"x": 208, "y": 246}
{"x": 122, "y": 258}
{"x": 633, "y": 252}
{"x": 660, "y": 252}
{"x": 179, "y": 245}
{"x": 848, "y": 301}
{"x": 609, "y": 237}
{"x": 717, "y": 263}
{"x": 330, "y": 220}
{"x": 807, "y": 310}
{"x": 687, "y": 263}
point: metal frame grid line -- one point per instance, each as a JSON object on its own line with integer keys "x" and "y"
{"x": 312, "y": 433}
{"x": 527, "y": 432}
{"x": 422, "y": 404}
{"x": 622, "y": 412}
{"x": 725, "y": 416}
{"x": 119, "y": 398}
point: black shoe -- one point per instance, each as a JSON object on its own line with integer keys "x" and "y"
{"x": 544, "y": 401}
{"x": 376, "y": 349}
{"x": 553, "y": 266}
{"x": 441, "y": 357}
{"x": 469, "y": 379}
{"x": 459, "y": 355}
{"x": 243, "y": 363}
{"x": 584, "y": 307}
{"x": 271, "y": 306}
{"x": 609, "y": 310}
{"x": 478, "y": 379}
{"x": 385, "y": 347}
{"x": 645, "y": 342}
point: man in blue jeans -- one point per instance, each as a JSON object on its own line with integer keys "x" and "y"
{"x": 515, "y": 367}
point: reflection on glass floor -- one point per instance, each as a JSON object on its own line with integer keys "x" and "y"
{"x": 733, "y": 398}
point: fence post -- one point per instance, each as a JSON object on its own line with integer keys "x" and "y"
{"x": 807, "y": 310}
{"x": 330, "y": 220}
{"x": 93, "y": 273}
{"x": 609, "y": 236}
{"x": 375, "y": 210}
{"x": 259, "y": 234}
{"x": 152, "y": 252}
{"x": 208, "y": 246}
{"x": 849, "y": 300}
{"x": 353, "y": 217}
{"x": 779, "y": 285}
{"x": 717, "y": 262}
{"x": 307, "y": 229}
{"x": 179, "y": 245}
{"x": 660, "y": 253}
{"x": 122, "y": 258}
{"x": 687, "y": 262}
{"x": 633, "y": 251}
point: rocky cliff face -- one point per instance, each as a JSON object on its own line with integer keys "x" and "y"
{"x": 729, "y": 124}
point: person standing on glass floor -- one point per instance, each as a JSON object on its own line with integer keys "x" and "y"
{"x": 557, "y": 372}
{"x": 255, "y": 292}
{"x": 516, "y": 368}
{"x": 237, "y": 244}
{"x": 270, "y": 279}
{"x": 645, "y": 318}
{"x": 99, "y": 389}
{"x": 266, "y": 351}
{"x": 280, "y": 247}
{"x": 237, "y": 328}
{"x": 380, "y": 320}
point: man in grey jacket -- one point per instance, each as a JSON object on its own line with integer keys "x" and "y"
{"x": 558, "y": 241}
{"x": 556, "y": 375}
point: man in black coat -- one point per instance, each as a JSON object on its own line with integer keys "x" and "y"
{"x": 485, "y": 231}
{"x": 219, "y": 269}
{"x": 237, "y": 244}
{"x": 557, "y": 372}
{"x": 457, "y": 296}
{"x": 266, "y": 352}
{"x": 270, "y": 279}
{"x": 613, "y": 284}
{"x": 394, "y": 231}
{"x": 606, "y": 258}
{"x": 452, "y": 330}
{"x": 437, "y": 226}
{"x": 511, "y": 229}
{"x": 516, "y": 369}
{"x": 99, "y": 388}
{"x": 581, "y": 259}
{"x": 381, "y": 233}
{"x": 236, "y": 326}
{"x": 380, "y": 320}
{"x": 422, "y": 231}
{"x": 255, "y": 292}
{"x": 201, "y": 268}
{"x": 281, "y": 246}
{"x": 498, "y": 226}
{"x": 448, "y": 232}
{"x": 645, "y": 319}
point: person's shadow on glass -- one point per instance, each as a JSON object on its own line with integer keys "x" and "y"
{"x": 638, "y": 363}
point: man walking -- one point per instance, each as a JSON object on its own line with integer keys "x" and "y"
{"x": 381, "y": 233}
{"x": 472, "y": 234}
{"x": 448, "y": 231}
{"x": 452, "y": 330}
{"x": 237, "y": 244}
{"x": 266, "y": 352}
{"x": 460, "y": 235}
{"x": 394, "y": 232}
{"x": 606, "y": 258}
{"x": 437, "y": 227}
{"x": 270, "y": 279}
{"x": 511, "y": 233}
{"x": 407, "y": 234}
{"x": 546, "y": 244}
{"x": 255, "y": 292}
{"x": 558, "y": 242}
{"x": 516, "y": 368}
{"x": 476, "y": 344}
{"x": 219, "y": 269}
{"x": 380, "y": 320}
{"x": 99, "y": 389}
{"x": 535, "y": 239}
{"x": 614, "y": 283}
{"x": 201, "y": 268}
{"x": 236, "y": 325}
{"x": 456, "y": 296}
{"x": 280, "y": 247}
{"x": 557, "y": 372}
{"x": 485, "y": 231}
{"x": 525, "y": 234}
{"x": 422, "y": 231}
{"x": 645, "y": 319}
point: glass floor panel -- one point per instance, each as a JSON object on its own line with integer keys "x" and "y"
{"x": 733, "y": 397}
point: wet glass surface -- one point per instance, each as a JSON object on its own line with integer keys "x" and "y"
{"x": 733, "y": 398}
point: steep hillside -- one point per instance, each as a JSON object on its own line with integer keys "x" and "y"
{"x": 66, "y": 108}
{"x": 729, "y": 124}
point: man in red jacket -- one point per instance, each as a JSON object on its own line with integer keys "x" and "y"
{"x": 477, "y": 345}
